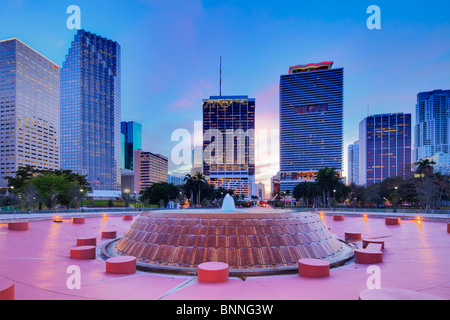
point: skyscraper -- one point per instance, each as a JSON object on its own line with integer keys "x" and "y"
{"x": 229, "y": 144}
{"x": 353, "y": 163}
{"x": 384, "y": 147}
{"x": 90, "y": 110}
{"x": 311, "y": 123}
{"x": 432, "y": 127}
{"x": 29, "y": 108}
{"x": 149, "y": 168}
{"x": 132, "y": 132}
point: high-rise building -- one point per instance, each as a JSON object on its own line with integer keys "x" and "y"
{"x": 353, "y": 163}
{"x": 29, "y": 109}
{"x": 90, "y": 110}
{"x": 384, "y": 147}
{"x": 275, "y": 186}
{"x": 229, "y": 143}
{"x": 261, "y": 191}
{"x": 132, "y": 132}
{"x": 432, "y": 126}
{"x": 311, "y": 123}
{"x": 149, "y": 168}
{"x": 441, "y": 163}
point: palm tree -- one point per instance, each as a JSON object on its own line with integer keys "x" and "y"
{"x": 424, "y": 167}
{"x": 199, "y": 181}
{"x": 189, "y": 186}
{"x": 327, "y": 181}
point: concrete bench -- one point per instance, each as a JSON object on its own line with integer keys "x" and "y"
{"x": 7, "y": 289}
{"x": 338, "y": 218}
{"x": 78, "y": 220}
{"x": 83, "y": 252}
{"x": 109, "y": 234}
{"x": 366, "y": 242}
{"x": 313, "y": 268}
{"x": 121, "y": 265}
{"x": 86, "y": 242}
{"x": 18, "y": 226}
{"x": 127, "y": 217}
{"x": 213, "y": 272}
{"x": 448, "y": 227}
{"x": 352, "y": 236}
{"x": 369, "y": 255}
{"x": 392, "y": 221}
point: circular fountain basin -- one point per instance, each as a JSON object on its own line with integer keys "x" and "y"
{"x": 258, "y": 242}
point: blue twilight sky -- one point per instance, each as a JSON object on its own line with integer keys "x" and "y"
{"x": 171, "y": 50}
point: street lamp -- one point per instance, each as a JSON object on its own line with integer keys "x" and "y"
{"x": 396, "y": 188}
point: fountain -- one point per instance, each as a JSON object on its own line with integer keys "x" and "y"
{"x": 257, "y": 241}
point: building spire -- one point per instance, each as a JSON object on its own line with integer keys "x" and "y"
{"x": 220, "y": 84}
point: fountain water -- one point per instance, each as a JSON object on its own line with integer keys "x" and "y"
{"x": 228, "y": 204}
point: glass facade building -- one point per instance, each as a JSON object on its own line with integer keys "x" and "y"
{"x": 353, "y": 164}
{"x": 384, "y": 147}
{"x": 29, "y": 110}
{"x": 432, "y": 127}
{"x": 132, "y": 134}
{"x": 229, "y": 143}
{"x": 90, "y": 110}
{"x": 311, "y": 123}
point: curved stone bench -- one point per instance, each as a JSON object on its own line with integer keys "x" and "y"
{"x": 7, "y": 289}
{"x": 109, "y": 234}
{"x": 18, "y": 226}
{"x": 352, "y": 236}
{"x": 392, "y": 221}
{"x": 121, "y": 265}
{"x": 83, "y": 252}
{"x": 313, "y": 268}
{"x": 338, "y": 218}
{"x": 395, "y": 294}
{"x": 366, "y": 242}
{"x": 213, "y": 272}
{"x": 365, "y": 256}
{"x": 78, "y": 220}
{"x": 86, "y": 242}
{"x": 127, "y": 217}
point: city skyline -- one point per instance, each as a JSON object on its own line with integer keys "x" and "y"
{"x": 161, "y": 88}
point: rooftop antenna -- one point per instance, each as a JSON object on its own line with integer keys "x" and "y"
{"x": 220, "y": 85}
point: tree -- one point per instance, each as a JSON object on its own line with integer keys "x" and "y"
{"x": 200, "y": 181}
{"x": 160, "y": 193}
{"x": 29, "y": 196}
{"x": 327, "y": 181}
{"x": 48, "y": 188}
{"x": 427, "y": 191}
{"x": 424, "y": 167}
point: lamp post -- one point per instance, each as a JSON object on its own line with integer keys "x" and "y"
{"x": 81, "y": 201}
{"x": 396, "y": 188}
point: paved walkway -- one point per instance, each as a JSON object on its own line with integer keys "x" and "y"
{"x": 416, "y": 258}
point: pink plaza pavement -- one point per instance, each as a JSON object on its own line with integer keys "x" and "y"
{"x": 416, "y": 257}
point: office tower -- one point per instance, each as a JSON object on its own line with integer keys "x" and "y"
{"x": 177, "y": 181}
{"x": 432, "y": 127}
{"x": 149, "y": 169}
{"x": 384, "y": 147}
{"x": 132, "y": 132}
{"x": 275, "y": 186}
{"x": 353, "y": 163}
{"x": 261, "y": 191}
{"x": 90, "y": 110}
{"x": 311, "y": 123}
{"x": 29, "y": 109}
{"x": 441, "y": 163}
{"x": 229, "y": 144}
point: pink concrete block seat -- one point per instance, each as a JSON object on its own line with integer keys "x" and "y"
{"x": 213, "y": 272}
{"x": 313, "y": 268}
{"x": 78, "y": 220}
{"x": 86, "y": 242}
{"x": 448, "y": 227}
{"x": 127, "y": 217}
{"x": 392, "y": 221}
{"x": 338, "y": 218}
{"x": 366, "y": 242}
{"x": 109, "y": 234}
{"x": 352, "y": 236}
{"x": 83, "y": 252}
{"x": 395, "y": 294}
{"x": 370, "y": 255}
{"x": 121, "y": 265}
{"x": 7, "y": 289}
{"x": 18, "y": 226}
